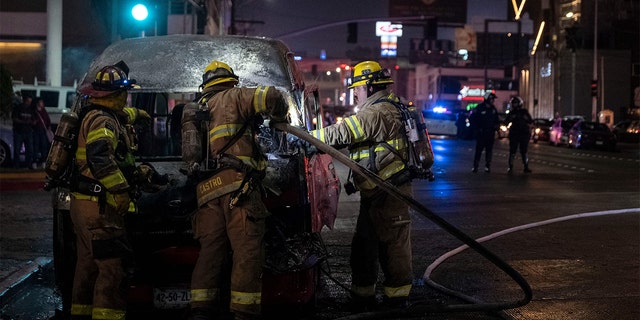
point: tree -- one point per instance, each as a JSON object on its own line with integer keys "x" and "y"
{"x": 6, "y": 92}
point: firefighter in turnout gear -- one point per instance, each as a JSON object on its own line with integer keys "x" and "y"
{"x": 104, "y": 168}
{"x": 231, "y": 215}
{"x": 375, "y": 137}
{"x": 519, "y": 132}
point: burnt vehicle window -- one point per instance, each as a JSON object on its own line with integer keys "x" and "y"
{"x": 161, "y": 137}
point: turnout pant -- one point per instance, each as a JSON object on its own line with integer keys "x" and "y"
{"x": 383, "y": 235}
{"x": 98, "y": 285}
{"x": 221, "y": 231}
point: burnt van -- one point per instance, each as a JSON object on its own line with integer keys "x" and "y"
{"x": 301, "y": 188}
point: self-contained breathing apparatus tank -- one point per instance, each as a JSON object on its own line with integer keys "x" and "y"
{"x": 421, "y": 156}
{"x": 192, "y": 136}
{"x": 422, "y": 144}
{"x": 63, "y": 146}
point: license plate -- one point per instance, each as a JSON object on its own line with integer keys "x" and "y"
{"x": 171, "y": 298}
{"x": 599, "y": 143}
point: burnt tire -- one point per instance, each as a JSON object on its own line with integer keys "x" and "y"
{"x": 64, "y": 255}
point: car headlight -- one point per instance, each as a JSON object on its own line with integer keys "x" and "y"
{"x": 537, "y": 130}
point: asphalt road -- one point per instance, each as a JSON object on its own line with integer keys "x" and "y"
{"x": 571, "y": 229}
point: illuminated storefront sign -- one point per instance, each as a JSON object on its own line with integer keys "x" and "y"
{"x": 388, "y": 34}
{"x": 386, "y": 28}
{"x": 472, "y": 93}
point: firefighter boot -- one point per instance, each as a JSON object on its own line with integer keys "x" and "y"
{"x": 359, "y": 304}
{"x": 246, "y": 316}
{"x": 511, "y": 157}
{"x": 200, "y": 313}
{"x": 525, "y": 161}
{"x": 395, "y": 303}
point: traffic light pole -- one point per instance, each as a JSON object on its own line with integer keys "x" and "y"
{"x": 594, "y": 98}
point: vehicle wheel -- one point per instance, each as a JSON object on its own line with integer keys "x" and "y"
{"x": 64, "y": 255}
{"x": 5, "y": 155}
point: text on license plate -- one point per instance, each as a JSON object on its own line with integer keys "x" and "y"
{"x": 171, "y": 298}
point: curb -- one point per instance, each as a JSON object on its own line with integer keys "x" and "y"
{"x": 15, "y": 279}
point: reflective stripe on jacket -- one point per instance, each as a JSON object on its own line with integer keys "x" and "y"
{"x": 104, "y": 154}
{"x": 229, "y": 111}
{"x": 376, "y": 128}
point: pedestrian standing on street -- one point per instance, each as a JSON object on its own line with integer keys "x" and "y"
{"x": 231, "y": 215}
{"x": 484, "y": 122}
{"x": 102, "y": 195}
{"x": 23, "y": 117}
{"x": 519, "y": 132}
{"x": 375, "y": 136}
{"x": 42, "y": 134}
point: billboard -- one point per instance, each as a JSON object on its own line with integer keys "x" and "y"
{"x": 447, "y": 11}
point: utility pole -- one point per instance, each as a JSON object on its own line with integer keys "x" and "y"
{"x": 594, "y": 98}
{"x": 54, "y": 42}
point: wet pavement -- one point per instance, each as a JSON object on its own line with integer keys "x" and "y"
{"x": 24, "y": 247}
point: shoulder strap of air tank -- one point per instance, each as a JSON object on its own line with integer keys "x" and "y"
{"x": 404, "y": 110}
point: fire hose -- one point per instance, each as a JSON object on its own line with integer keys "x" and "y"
{"x": 466, "y": 239}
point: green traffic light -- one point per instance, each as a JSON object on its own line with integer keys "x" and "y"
{"x": 139, "y": 12}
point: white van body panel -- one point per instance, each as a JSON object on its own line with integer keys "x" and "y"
{"x": 58, "y": 100}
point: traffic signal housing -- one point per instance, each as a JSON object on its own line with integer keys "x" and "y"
{"x": 594, "y": 88}
{"x": 352, "y": 32}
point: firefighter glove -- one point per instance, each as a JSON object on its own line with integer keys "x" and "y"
{"x": 137, "y": 116}
{"x": 192, "y": 169}
{"x": 149, "y": 179}
{"x": 142, "y": 118}
{"x": 277, "y": 119}
{"x": 299, "y": 143}
{"x": 121, "y": 202}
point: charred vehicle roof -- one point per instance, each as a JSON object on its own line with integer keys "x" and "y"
{"x": 175, "y": 63}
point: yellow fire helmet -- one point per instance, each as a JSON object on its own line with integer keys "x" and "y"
{"x": 218, "y": 72}
{"x": 369, "y": 73}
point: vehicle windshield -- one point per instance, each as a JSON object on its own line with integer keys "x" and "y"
{"x": 168, "y": 70}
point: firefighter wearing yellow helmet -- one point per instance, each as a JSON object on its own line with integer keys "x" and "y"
{"x": 101, "y": 195}
{"x": 231, "y": 215}
{"x": 375, "y": 139}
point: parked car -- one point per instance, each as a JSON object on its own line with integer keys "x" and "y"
{"x": 6, "y": 143}
{"x": 627, "y": 131}
{"x": 503, "y": 129}
{"x": 541, "y": 129}
{"x": 589, "y": 134}
{"x": 440, "y": 123}
{"x": 301, "y": 189}
{"x": 559, "y": 134}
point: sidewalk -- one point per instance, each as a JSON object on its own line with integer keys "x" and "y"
{"x": 25, "y": 244}
{"x": 21, "y": 179}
